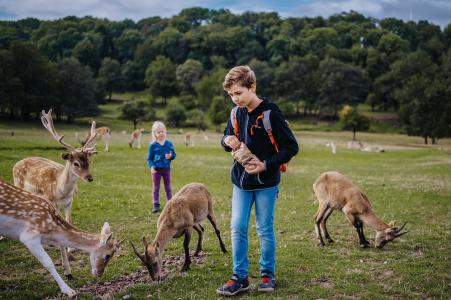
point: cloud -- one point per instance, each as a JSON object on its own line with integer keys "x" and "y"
{"x": 436, "y": 11}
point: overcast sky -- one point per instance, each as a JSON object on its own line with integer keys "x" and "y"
{"x": 435, "y": 11}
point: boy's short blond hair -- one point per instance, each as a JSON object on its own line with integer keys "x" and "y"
{"x": 240, "y": 74}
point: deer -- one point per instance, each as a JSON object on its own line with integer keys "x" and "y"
{"x": 135, "y": 138}
{"x": 102, "y": 133}
{"x": 336, "y": 192}
{"x": 52, "y": 180}
{"x": 35, "y": 221}
{"x": 186, "y": 211}
{"x": 189, "y": 139}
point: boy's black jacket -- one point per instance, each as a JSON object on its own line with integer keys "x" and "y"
{"x": 260, "y": 145}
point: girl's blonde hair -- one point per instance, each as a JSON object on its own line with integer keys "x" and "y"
{"x": 156, "y": 125}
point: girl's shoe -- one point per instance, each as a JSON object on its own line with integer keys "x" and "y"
{"x": 156, "y": 208}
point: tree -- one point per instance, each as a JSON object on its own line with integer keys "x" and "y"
{"x": 197, "y": 119}
{"x": 110, "y": 74}
{"x": 209, "y": 86}
{"x": 188, "y": 74}
{"x": 76, "y": 90}
{"x": 350, "y": 119}
{"x": 137, "y": 111}
{"x": 219, "y": 111}
{"x": 87, "y": 51}
{"x": 161, "y": 78}
{"x": 295, "y": 81}
{"x": 339, "y": 84}
{"x": 175, "y": 113}
{"x": 425, "y": 107}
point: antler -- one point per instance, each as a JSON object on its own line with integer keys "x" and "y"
{"x": 47, "y": 121}
{"x": 89, "y": 145}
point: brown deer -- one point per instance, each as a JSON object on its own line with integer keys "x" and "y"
{"x": 52, "y": 180}
{"x": 35, "y": 221}
{"x": 334, "y": 191}
{"x": 135, "y": 138}
{"x": 187, "y": 209}
{"x": 104, "y": 133}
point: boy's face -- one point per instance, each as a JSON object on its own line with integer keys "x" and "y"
{"x": 242, "y": 96}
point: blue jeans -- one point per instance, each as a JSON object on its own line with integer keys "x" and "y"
{"x": 265, "y": 203}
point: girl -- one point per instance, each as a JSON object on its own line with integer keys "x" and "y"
{"x": 161, "y": 152}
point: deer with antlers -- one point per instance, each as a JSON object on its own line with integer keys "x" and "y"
{"x": 52, "y": 180}
{"x": 35, "y": 221}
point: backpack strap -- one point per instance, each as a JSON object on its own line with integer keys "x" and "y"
{"x": 234, "y": 121}
{"x": 267, "y": 125}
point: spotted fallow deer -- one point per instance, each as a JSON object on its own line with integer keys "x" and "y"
{"x": 52, "y": 180}
{"x": 35, "y": 221}
{"x": 186, "y": 211}
{"x": 135, "y": 138}
{"x": 334, "y": 191}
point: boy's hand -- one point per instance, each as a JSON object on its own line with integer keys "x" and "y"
{"x": 232, "y": 142}
{"x": 255, "y": 166}
{"x": 152, "y": 170}
{"x": 168, "y": 155}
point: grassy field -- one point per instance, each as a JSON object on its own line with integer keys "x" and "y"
{"x": 409, "y": 182}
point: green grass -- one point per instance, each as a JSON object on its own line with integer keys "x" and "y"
{"x": 404, "y": 184}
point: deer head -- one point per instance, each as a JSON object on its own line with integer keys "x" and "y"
{"x": 151, "y": 259}
{"x": 388, "y": 235}
{"x": 105, "y": 249}
{"x": 77, "y": 157}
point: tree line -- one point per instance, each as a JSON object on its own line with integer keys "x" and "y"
{"x": 310, "y": 66}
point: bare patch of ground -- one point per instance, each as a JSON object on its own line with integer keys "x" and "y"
{"x": 103, "y": 290}
{"x": 323, "y": 282}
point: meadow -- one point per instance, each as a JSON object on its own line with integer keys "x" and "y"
{"x": 409, "y": 182}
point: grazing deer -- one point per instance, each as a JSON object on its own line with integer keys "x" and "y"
{"x": 35, "y": 221}
{"x": 52, "y": 180}
{"x": 187, "y": 209}
{"x": 334, "y": 191}
{"x": 189, "y": 139}
{"x": 135, "y": 138}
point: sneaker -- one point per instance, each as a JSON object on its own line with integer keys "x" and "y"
{"x": 267, "y": 282}
{"x": 156, "y": 208}
{"x": 234, "y": 286}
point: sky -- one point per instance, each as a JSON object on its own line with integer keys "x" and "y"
{"x": 434, "y": 11}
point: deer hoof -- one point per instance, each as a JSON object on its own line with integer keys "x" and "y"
{"x": 69, "y": 277}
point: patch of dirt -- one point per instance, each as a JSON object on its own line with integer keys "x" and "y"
{"x": 171, "y": 268}
{"x": 323, "y": 282}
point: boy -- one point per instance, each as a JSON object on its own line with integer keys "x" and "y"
{"x": 256, "y": 182}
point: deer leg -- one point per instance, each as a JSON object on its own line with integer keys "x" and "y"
{"x": 65, "y": 263}
{"x": 211, "y": 217}
{"x": 187, "y": 262}
{"x": 356, "y": 223}
{"x": 34, "y": 245}
{"x": 200, "y": 232}
{"x": 323, "y": 225}
{"x": 318, "y": 219}
{"x": 68, "y": 255}
{"x": 362, "y": 235}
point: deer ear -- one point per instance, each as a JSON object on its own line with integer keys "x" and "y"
{"x": 104, "y": 239}
{"x": 66, "y": 156}
{"x": 105, "y": 229}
